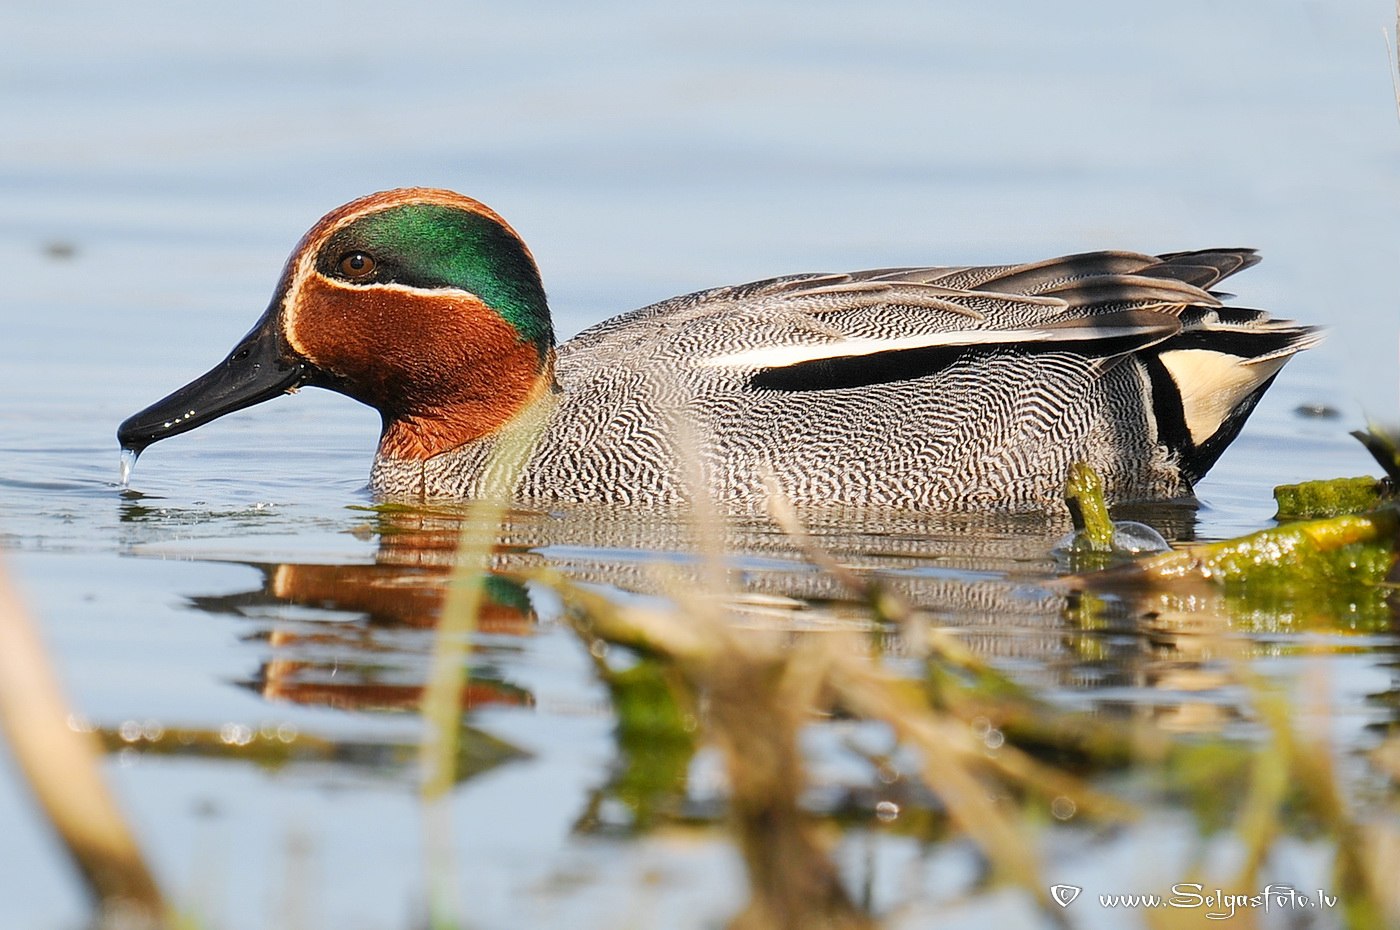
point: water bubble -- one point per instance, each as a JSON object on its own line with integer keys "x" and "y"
{"x": 994, "y": 738}
{"x": 1063, "y": 808}
{"x": 1133, "y": 538}
{"x": 887, "y": 773}
{"x": 1129, "y": 539}
{"x": 129, "y": 731}
{"x": 886, "y": 811}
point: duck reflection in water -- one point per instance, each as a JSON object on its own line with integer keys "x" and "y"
{"x": 357, "y": 635}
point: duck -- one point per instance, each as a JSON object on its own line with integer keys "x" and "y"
{"x": 954, "y": 388}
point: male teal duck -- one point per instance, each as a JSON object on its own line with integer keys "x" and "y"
{"x": 951, "y": 388}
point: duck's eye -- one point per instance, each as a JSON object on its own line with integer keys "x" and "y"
{"x": 357, "y": 264}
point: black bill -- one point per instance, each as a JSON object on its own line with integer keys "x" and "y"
{"x": 259, "y": 368}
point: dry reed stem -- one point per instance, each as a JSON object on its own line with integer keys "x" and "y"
{"x": 62, "y": 768}
{"x": 793, "y": 883}
{"x": 919, "y": 725}
{"x": 762, "y": 689}
{"x": 757, "y": 696}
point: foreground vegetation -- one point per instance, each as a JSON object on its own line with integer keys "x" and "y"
{"x": 971, "y": 754}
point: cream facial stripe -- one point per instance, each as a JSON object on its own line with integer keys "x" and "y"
{"x": 304, "y": 268}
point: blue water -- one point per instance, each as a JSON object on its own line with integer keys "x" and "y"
{"x": 158, "y": 162}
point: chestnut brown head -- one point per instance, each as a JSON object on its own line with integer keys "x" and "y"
{"x": 421, "y": 303}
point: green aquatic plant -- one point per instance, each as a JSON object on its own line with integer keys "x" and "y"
{"x": 1098, "y": 540}
{"x": 656, "y": 740}
{"x": 1341, "y": 496}
{"x": 1302, "y": 562}
{"x": 1329, "y": 498}
{"x": 1305, "y": 559}
{"x": 1085, "y": 500}
{"x": 1384, "y": 445}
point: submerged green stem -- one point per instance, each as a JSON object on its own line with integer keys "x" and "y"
{"x": 1084, "y": 497}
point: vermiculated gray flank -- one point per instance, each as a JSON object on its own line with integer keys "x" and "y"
{"x": 927, "y": 388}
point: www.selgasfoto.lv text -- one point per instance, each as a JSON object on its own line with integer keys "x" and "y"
{"x": 1219, "y": 904}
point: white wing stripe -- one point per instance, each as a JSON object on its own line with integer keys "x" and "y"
{"x": 784, "y": 356}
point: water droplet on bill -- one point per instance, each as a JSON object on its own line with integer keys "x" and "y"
{"x": 128, "y": 463}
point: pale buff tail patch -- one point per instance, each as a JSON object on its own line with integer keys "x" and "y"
{"x": 1213, "y": 384}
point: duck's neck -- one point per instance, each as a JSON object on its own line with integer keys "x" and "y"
{"x": 522, "y": 381}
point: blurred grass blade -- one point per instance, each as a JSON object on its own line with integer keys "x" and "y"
{"x": 442, "y": 700}
{"x": 62, "y": 768}
{"x": 442, "y": 697}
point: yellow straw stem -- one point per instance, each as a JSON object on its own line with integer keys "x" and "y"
{"x": 61, "y": 765}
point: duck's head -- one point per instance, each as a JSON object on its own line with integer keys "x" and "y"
{"x": 422, "y": 303}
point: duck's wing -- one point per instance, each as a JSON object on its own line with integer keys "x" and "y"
{"x": 1203, "y": 269}
{"x": 817, "y": 331}
{"x": 823, "y": 331}
{"x": 1207, "y": 364}
{"x": 902, "y": 304}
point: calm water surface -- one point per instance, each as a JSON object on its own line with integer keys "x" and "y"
{"x": 158, "y": 163}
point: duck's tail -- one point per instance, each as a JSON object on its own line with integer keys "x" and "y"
{"x": 1207, "y": 379}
